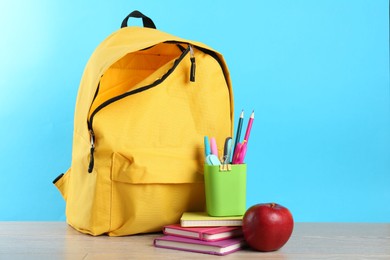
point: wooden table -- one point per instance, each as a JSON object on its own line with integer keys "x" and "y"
{"x": 56, "y": 240}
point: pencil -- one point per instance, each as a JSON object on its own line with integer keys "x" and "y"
{"x": 249, "y": 127}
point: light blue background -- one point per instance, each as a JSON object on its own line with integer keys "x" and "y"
{"x": 315, "y": 72}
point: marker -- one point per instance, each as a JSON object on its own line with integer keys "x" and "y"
{"x": 213, "y": 144}
{"x": 206, "y": 146}
{"x": 227, "y": 150}
{"x": 211, "y": 159}
{"x": 237, "y": 154}
{"x": 241, "y": 157}
{"x": 238, "y": 135}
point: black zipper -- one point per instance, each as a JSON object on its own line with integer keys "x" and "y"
{"x": 133, "y": 92}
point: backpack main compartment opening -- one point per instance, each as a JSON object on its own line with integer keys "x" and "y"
{"x": 128, "y": 72}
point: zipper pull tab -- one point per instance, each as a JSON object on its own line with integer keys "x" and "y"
{"x": 193, "y": 65}
{"x": 92, "y": 150}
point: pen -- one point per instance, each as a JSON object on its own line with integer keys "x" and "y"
{"x": 238, "y": 134}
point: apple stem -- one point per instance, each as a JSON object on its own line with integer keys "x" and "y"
{"x": 273, "y": 205}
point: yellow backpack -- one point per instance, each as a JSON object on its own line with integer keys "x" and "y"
{"x": 145, "y": 102}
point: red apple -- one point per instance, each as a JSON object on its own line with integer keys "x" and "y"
{"x": 267, "y": 226}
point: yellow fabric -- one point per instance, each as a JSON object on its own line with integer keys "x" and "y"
{"x": 148, "y": 146}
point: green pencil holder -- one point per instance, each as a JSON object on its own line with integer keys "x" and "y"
{"x": 225, "y": 188}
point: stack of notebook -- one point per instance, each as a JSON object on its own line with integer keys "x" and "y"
{"x": 198, "y": 232}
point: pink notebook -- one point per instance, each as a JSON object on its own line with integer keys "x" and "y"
{"x": 203, "y": 233}
{"x": 222, "y": 247}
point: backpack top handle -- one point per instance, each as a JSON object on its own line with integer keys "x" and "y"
{"x": 137, "y": 14}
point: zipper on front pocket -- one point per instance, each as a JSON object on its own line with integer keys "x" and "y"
{"x": 133, "y": 92}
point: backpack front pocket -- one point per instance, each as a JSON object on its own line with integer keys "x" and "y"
{"x": 145, "y": 197}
